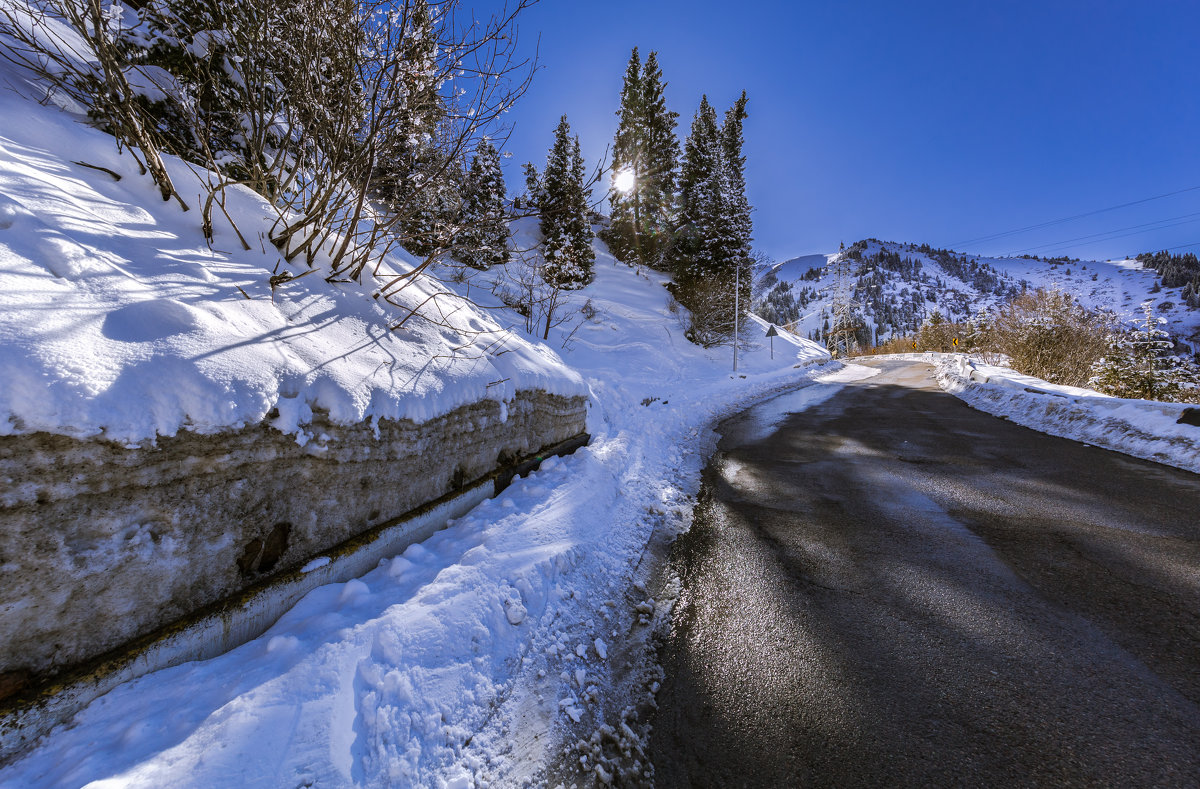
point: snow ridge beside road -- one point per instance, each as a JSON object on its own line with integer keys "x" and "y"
{"x": 1142, "y": 428}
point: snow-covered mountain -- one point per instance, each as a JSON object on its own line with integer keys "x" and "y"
{"x": 896, "y": 285}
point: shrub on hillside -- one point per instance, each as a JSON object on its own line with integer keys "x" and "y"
{"x": 1048, "y": 334}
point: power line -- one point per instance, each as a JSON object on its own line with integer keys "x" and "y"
{"x": 1136, "y": 232}
{"x": 1150, "y": 227}
{"x": 1181, "y": 246}
{"x": 1053, "y": 222}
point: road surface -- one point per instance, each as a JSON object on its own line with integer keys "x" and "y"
{"x": 896, "y": 590}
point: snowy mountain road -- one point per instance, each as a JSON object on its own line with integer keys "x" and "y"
{"x": 895, "y": 589}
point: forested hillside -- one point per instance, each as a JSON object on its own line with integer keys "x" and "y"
{"x": 897, "y": 286}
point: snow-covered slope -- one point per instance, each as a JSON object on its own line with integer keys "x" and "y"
{"x": 118, "y": 320}
{"x": 898, "y": 285}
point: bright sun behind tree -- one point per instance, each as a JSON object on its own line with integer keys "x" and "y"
{"x": 624, "y": 181}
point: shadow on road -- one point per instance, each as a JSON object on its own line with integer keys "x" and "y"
{"x": 894, "y": 589}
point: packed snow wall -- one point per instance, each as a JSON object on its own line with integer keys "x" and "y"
{"x": 100, "y": 543}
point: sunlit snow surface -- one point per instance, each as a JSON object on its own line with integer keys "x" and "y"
{"x": 118, "y": 319}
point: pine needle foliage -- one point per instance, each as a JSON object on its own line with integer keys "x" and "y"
{"x": 712, "y": 242}
{"x": 561, "y": 199}
{"x": 483, "y": 241}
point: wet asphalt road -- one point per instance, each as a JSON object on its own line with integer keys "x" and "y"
{"x": 896, "y": 590}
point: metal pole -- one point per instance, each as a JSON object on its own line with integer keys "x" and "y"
{"x": 737, "y": 286}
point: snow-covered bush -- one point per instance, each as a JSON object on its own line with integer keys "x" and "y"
{"x": 1046, "y": 333}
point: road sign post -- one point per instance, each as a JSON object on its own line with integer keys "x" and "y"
{"x": 772, "y": 334}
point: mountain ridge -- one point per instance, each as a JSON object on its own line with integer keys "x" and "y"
{"x": 897, "y": 285}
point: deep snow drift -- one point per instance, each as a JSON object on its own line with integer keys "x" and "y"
{"x": 413, "y": 673}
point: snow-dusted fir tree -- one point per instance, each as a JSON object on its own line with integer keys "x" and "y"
{"x": 705, "y": 238}
{"x": 711, "y": 252}
{"x": 625, "y": 197}
{"x": 979, "y": 332}
{"x": 645, "y": 164}
{"x": 483, "y": 240}
{"x": 419, "y": 176}
{"x": 735, "y": 160}
{"x": 562, "y": 202}
{"x": 1141, "y": 364}
{"x": 660, "y": 167}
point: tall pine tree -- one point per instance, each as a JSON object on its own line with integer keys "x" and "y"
{"x": 483, "y": 241}
{"x": 738, "y": 206}
{"x": 627, "y": 162}
{"x": 645, "y": 162}
{"x": 418, "y": 177}
{"x": 661, "y": 165}
{"x": 562, "y": 201}
{"x": 712, "y": 247}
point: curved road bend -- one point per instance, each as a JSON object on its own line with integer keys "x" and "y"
{"x": 896, "y": 590}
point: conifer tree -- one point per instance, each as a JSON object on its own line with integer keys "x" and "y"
{"x": 483, "y": 241}
{"x": 533, "y": 187}
{"x": 711, "y": 250}
{"x": 660, "y": 168}
{"x": 701, "y": 190}
{"x": 627, "y": 162}
{"x": 418, "y": 176}
{"x": 739, "y": 206}
{"x": 709, "y": 243}
{"x": 1141, "y": 364}
{"x": 979, "y": 332}
{"x": 646, "y": 154}
{"x": 563, "y": 205}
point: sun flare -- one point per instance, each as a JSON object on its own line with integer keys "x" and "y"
{"x": 624, "y": 181}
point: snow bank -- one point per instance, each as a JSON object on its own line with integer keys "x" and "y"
{"x": 1142, "y": 428}
{"x": 118, "y": 320}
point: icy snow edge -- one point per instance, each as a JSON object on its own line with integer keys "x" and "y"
{"x": 1142, "y": 428}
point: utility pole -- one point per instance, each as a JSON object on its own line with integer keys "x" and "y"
{"x": 737, "y": 287}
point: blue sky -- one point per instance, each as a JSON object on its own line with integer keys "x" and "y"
{"x": 941, "y": 122}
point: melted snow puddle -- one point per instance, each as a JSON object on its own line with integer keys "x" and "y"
{"x": 848, "y": 374}
{"x": 760, "y": 421}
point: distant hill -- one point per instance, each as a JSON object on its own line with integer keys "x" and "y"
{"x": 898, "y": 284}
